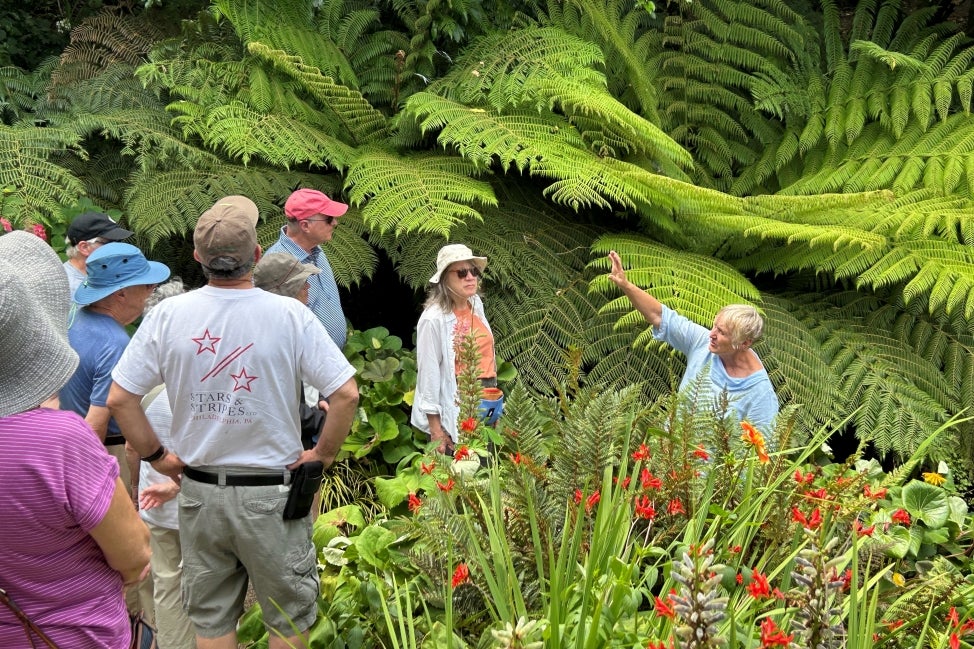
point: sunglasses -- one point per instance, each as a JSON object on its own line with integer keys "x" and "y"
{"x": 463, "y": 272}
{"x": 328, "y": 220}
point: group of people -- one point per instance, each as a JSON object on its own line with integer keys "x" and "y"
{"x": 219, "y": 396}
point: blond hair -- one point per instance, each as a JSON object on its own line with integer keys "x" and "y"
{"x": 743, "y": 323}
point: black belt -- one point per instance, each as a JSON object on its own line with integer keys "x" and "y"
{"x": 259, "y": 480}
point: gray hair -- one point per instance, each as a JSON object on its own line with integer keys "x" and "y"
{"x": 227, "y": 268}
{"x": 743, "y": 323}
{"x": 170, "y": 289}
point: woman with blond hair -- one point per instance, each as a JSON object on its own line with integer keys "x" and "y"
{"x": 724, "y": 351}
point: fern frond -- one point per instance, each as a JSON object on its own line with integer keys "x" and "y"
{"x": 423, "y": 193}
{"x": 40, "y": 187}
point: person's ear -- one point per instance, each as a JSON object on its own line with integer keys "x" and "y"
{"x": 196, "y": 256}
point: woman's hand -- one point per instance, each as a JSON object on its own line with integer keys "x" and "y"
{"x": 617, "y": 274}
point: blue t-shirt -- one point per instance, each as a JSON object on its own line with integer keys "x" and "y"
{"x": 99, "y": 340}
{"x": 752, "y": 397}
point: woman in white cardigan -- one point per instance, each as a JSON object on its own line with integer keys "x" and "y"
{"x": 453, "y": 309}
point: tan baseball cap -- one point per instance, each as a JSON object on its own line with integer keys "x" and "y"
{"x": 228, "y": 229}
{"x": 282, "y": 273}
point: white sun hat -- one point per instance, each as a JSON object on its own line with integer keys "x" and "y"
{"x": 453, "y": 253}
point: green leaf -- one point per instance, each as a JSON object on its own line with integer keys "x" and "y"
{"x": 373, "y": 545}
{"x": 899, "y": 543}
{"x": 384, "y": 426}
{"x": 927, "y": 503}
{"x": 379, "y": 370}
{"x": 958, "y": 510}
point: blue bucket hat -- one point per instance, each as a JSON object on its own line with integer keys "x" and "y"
{"x": 116, "y": 266}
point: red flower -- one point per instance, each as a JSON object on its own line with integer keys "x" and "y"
{"x": 578, "y": 496}
{"x": 414, "y": 503}
{"x": 901, "y": 516}
{"x": 642, "y": 453}
{"x": 739, "y": 579}
{"x": 427, "y": 469}
{"x": 468, "y": 425}
{"x": 659, "y": 645}
{"x": 953, "y": 619}
{"x": 461, "y": 453}
{"x": 701, "y": 452}
{"x": 868, "y": 492}
{"x": 649, "y": 481}
{"x": 846, "y": 579}
{"x": 675, "y": 506}
{"x": 777, "y": 594}
{"x": 804, "y": 478}
{"x": 592, "y": 501}
{"x": 811, "y": 522}
{"x": 759, "y": 587}
{"x": 663, "y": 608}
{"x": 517, "y": 458}
{"x": 461, "y": 575}
{"x": 954, "y": 641}
{"x": 818, "y": 494}
{"x": 861, "y": 530}
{"x": 771, "y": 636}
{"x": 7, "y": 226}
{"x": 644, "y": 508}
{"x": 448, "y": 486}
{"x": 894, "y": 625}
{"x": 40, "y": 231}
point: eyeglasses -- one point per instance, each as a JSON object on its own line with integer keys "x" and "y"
{"x": 328, "y": 220}
{"x": 463, "y": 272}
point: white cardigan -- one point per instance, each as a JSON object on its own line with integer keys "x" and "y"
{"x": 436, "y": 380}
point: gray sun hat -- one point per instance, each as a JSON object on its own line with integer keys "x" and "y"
{"x": 35, "y": 357}
{"x": 453, "y": 253}
{"x": 282, "y": 273}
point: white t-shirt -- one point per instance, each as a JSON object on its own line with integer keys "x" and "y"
{"x": 75, "y": 277}
{"x": 233, "y": 361}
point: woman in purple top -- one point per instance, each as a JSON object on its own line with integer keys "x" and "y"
{"x": 71, "y": 539}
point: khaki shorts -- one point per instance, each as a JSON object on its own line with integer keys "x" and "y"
{"x": 228, "y": 533}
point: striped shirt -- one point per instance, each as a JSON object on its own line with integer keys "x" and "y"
{"x": 323, "y": 297}
{"x": 57, "y": 481}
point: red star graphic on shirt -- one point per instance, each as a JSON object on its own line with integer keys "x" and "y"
{"x": 206, "y": 342}
{"x": 242, "y": 381}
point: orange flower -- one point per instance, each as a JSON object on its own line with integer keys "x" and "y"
{"x": 414, "y": 503}
{"x": 468, "y": 425}
{"x": 901, "y": 516}
{"x": 577, "y": 497}
{"x": 868, "y": 492}
{"x": 756, "y": 439}
{"x": 461, "y": 575}
{"x": 427, "y": 469}
{"x": 642, "y": 453}
{"x": 461, "y": 453}
{"x": 811, "y": 522}
{"x": 701, "y": 452}
{"x": 448, "y": 486}
{"x": 675, "y": 506}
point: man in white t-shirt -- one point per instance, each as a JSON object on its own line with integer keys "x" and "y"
{"x": 232, "y": 357}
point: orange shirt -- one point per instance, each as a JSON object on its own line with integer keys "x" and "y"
{"x": 467, "y": 322}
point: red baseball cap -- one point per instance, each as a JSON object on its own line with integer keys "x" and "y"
{"x": 305, "y": 203}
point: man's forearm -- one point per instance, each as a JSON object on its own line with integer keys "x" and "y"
{"x": 341, "y": 411}
{"x": 126, "y": 408}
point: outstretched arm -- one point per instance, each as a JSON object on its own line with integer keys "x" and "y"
{"x": 646, "y": 304}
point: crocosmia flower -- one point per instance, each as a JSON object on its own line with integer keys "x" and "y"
{"x": 461, "y": 575}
